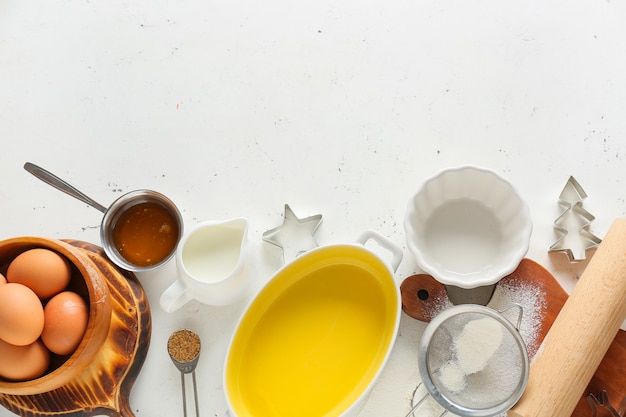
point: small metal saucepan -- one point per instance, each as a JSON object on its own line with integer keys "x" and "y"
{"x": 139, "y": 231}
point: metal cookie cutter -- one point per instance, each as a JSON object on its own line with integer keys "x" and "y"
{"x": 573, "y": 224}
{"x": 603, "y": 401}
{"x": 295, "y": 235}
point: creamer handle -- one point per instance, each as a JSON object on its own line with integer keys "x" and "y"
{"x": 175, "y": 296}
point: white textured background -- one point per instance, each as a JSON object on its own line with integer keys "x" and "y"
{"x": 235, "y": 108}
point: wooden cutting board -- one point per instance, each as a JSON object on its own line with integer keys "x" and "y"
{"x": 422, "y": 297}
{"x": 104, "y": 387}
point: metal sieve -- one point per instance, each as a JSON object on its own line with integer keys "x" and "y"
{"x": 473, "y": 361}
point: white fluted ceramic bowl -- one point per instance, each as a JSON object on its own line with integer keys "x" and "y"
{"x": 467, "y": 227}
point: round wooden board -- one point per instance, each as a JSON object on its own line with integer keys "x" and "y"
{"x": 422, "y": 295}
{"x": 104, "y": 387}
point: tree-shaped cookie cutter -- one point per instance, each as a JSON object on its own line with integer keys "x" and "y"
{"x": 573, "y": 224}
{"x": 603, "y": 401}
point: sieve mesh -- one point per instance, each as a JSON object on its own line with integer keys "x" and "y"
{"x": 473, "y": 361}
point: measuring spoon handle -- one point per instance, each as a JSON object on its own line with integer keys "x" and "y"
{"x": 59, "y": 184}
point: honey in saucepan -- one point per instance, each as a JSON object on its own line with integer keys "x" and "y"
{"x": 146, "y": 233}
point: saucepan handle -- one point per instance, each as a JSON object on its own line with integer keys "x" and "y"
{"x": 395, "y": 250}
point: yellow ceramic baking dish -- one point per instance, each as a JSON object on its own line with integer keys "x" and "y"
{"x": 315, "y": 338}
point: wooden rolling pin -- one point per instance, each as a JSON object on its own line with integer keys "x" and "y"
{"x": 581, "y": 333}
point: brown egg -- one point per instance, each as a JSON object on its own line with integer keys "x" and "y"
{"x": 21, "y": 314}
{"x": 42, "y": 270}
{"x": 21, "y": 363}
{"x": 3, "y": 280}
{"x": 66, "y": 316}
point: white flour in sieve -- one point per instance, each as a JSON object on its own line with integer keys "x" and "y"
{"x": 452, "y": 376}
{"x": 531, "y": 297}
{"x": 474, "y": 347}
{"x": 477, "y": 343}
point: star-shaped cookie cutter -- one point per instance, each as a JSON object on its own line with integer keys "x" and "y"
{"x": 574, "y": 219}
{"x": 295, "y": 235}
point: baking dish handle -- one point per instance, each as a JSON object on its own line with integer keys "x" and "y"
{"x": 395, "y": 250}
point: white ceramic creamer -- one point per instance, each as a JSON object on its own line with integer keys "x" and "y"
{"x": 211, "y": 264}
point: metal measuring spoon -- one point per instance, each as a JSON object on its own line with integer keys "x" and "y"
{"x": 183, "y": 347}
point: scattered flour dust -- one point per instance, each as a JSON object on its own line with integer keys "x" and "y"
{"x": 532, "y": 299}
{"x": 429, "y": 407}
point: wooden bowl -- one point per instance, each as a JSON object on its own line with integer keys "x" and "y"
{"x": 88, "y": 281}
